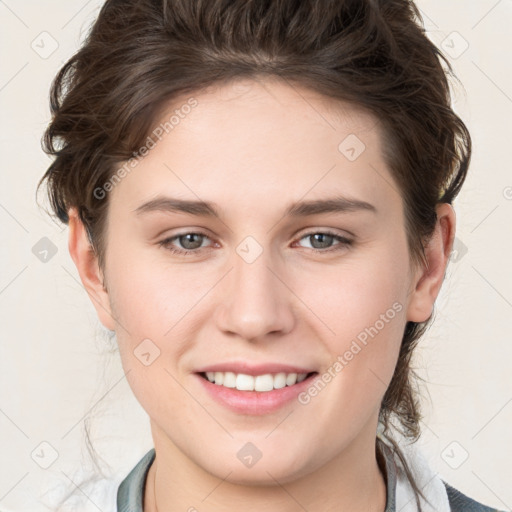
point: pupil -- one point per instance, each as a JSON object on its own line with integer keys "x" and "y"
{"x": 321, "y": 236}
{"x": 186, "y": 238}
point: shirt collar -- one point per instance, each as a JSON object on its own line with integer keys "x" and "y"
{"x": 130, "y": 494}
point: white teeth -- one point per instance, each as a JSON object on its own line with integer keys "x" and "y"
{"x": 266, "y": 382}
{"x": 280, "y": 380}
{"x": 244, "y": 382}
{"x": 291, "y": 379}
{"x": 229, "y": 380}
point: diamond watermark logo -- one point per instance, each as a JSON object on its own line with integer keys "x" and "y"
{"x": 249, "y": 454}
{"x": 454, "y": 45}
{"x": 147, "y": 352}
{"x": 44, "y": 249}
{"x": 459, "y": 250}
{"x": 455, "y": 455}
{"x": 351, "y": 147}
{"x": 44, "y": 455}
{"x": 44, "y": 45}
{"x": 249, "y": 249}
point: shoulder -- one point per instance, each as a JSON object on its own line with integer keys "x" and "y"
{"x": 459, "y": 502}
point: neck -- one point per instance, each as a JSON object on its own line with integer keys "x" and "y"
{"x": 353, "y": 480}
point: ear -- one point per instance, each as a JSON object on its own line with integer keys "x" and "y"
{"x": 86, "y": 262}
{"x": 427, "y": 281}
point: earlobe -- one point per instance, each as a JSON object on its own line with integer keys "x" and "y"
{"x": 86, "y": 262}
{"x": 429, "y": 279}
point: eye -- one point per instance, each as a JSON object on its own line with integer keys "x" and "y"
{"x": 322, "y": 241}
{"x": 191, "y": 242}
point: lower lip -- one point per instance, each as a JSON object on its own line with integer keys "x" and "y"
{"x": 254, "y": 402}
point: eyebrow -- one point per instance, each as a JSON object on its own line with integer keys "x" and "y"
{"x": 338, "y": 204}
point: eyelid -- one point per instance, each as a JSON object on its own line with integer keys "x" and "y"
{"x": 344, "y": 233}
{"x": 343, "y": 241}
{"x": 327, "y": 231}
{"x": 166, "y": 242}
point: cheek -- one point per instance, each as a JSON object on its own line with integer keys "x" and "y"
{"x": 355, "y": 295}
{"x": 363, "y": 310}
{"x": 151, "y": 298}
{"x": 153, "y": 310}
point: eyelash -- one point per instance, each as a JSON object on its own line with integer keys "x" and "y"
{"x": 344, "y": 242}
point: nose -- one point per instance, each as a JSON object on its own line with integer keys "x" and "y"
{"x": 256, "y": 300}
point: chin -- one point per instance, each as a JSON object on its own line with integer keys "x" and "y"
{"x": 264, "y": 472}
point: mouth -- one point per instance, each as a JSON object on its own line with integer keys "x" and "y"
{"x": 263, "y": 383}
{"x": 248, "y": 388}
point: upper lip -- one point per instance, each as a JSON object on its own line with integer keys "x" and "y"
{"x": 253, "y": 369}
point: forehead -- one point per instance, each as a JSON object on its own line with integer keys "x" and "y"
{"x": 255, "y": 140}
{"x": 271, "y": 106}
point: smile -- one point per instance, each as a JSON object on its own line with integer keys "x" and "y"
{"x": 259, "y": 394}
{"x": 262, "y": 383}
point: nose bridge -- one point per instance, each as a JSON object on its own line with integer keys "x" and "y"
{"x": 256, "y": 303}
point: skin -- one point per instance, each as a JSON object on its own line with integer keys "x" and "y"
{"x": 253, "y": 148}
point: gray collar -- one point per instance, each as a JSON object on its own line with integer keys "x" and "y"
{"x": 130, "y": 494}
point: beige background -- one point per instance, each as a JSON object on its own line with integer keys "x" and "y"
{"x": 54, "y": 361}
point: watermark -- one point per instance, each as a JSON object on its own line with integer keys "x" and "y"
{"x": 44, "y": 249}
{"x": 459, "y": 250}
{"x": 249, "y": 454}
{"x": 249, "y": 249}
{"x": 351, "y": 147}
{"x": 147, "y": 352}
{"x": 44, "y": 45}
{"x": 454, "y": 44}
{"x": 344, "y": 359}
{"x": 455, "y": 455}
{"x": 156, "y": 135}
{"x": 44, "y": 454}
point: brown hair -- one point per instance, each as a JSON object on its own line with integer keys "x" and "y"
{"x": 141, "y": 54}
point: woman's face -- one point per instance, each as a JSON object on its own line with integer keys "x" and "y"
{"x": 287, "y": 276}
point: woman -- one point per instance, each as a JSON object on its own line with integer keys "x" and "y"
{"x": 259, "y": 200}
